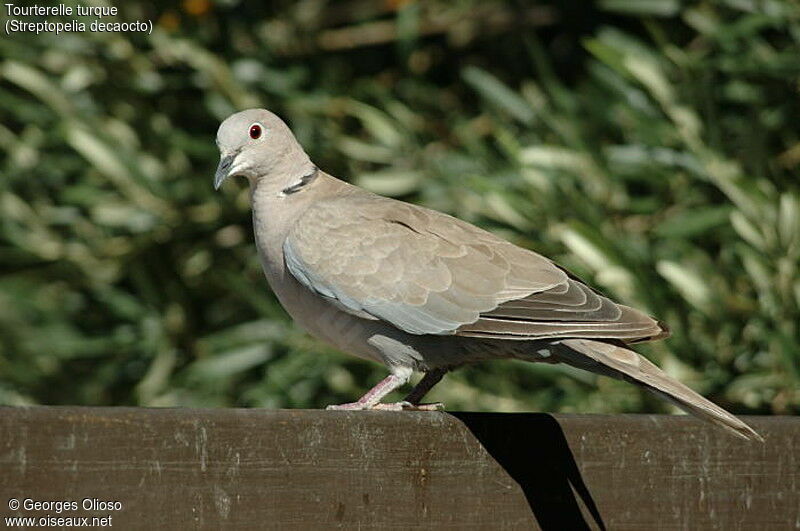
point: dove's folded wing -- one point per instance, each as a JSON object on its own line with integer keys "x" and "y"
{"x": 428, "y": 273}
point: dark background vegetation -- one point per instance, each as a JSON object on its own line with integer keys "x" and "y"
{"x": 650, "y": 146}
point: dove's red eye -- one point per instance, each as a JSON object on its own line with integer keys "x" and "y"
{"x": 255, "y": 131}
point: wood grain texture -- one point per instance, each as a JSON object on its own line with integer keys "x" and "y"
{"x": 251, "y": 469}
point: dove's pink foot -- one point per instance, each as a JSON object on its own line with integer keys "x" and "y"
{"x": 372, "y": 400}
{"x": 374, "y": 395}
{"x": 387, "y": 406}
{"x": 408, "y": 406}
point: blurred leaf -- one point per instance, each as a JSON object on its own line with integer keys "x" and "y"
{"x": 497, "y": 93}
{"x": 691, "y": 223}
{"x": 748, "y": 231}
{"x": 229, "y": 363}
{"x": 390, "y": 182}
{"x": 692, "y": 287}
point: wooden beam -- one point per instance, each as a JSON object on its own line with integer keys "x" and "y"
{"x": 250, "y": 469}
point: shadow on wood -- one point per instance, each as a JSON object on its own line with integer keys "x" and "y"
{"x": 532, "y": 448}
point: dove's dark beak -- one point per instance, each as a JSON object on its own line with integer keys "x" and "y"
{"x": 223, "y": 170}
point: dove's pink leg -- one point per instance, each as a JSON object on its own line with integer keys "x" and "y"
{"x": 374, "y": 395}
{"x": 372, "y": 399}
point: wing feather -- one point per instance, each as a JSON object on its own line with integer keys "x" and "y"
{"x": 428, "y": 273}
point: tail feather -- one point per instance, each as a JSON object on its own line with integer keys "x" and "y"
{"x": 623, "y": 363}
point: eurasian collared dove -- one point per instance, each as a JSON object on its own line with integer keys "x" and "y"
{"x": 418, "y": 290}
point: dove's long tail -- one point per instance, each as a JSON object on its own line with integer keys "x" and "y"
{"x": 622, "y": 363}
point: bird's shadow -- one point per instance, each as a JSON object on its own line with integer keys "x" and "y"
{"x": 532, "y": 448}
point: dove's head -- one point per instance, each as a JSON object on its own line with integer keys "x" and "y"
{"x": 257, "y": 144}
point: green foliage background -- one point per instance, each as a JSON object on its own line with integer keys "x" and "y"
{"x": 650, "y": 146}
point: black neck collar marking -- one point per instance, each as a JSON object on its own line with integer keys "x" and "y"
{"x": 304, "y": 180}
